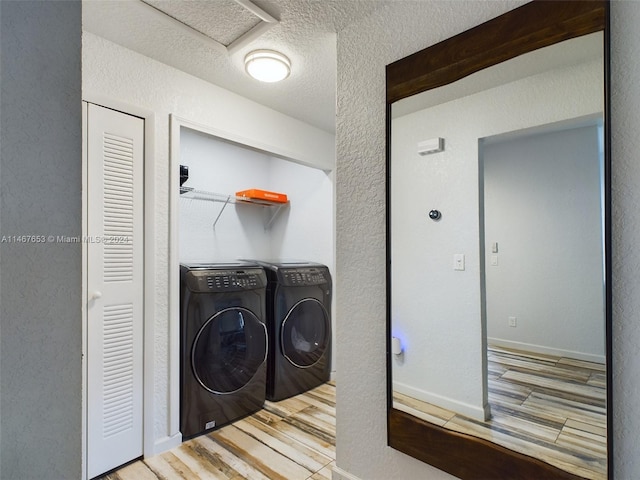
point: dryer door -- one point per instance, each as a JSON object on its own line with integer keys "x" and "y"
{"x": 305, "y": 333}
{"x": 229, "y": 350}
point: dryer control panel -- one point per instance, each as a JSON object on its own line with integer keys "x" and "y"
{"x": 298, "y": 277}
{"x": 225, "y": 280}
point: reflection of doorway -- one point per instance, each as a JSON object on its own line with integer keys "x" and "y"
{"x": 541, "y": 197}
{"x": 543, "y": 241}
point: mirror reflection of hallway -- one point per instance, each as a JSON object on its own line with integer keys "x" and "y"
{"x": 543, "y": 240}
{"x": 541, "y": 199}
{"x": 541, "y": 234}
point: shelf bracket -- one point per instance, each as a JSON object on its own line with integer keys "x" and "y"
{"x": 274, "y": 213}
{"x": 224, "y": 205}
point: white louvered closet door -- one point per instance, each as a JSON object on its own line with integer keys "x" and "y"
{"x": 114, "y": 288}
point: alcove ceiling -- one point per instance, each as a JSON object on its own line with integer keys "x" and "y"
{"x": 210, "y": 38}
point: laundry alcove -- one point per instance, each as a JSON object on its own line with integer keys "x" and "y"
{"x": 221, "y": 164}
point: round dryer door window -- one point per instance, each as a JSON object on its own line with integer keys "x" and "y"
{"x": 229, "y": 350}
{"x": 305, "y": 333}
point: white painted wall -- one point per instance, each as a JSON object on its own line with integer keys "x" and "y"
{"x": 40, "y": 279}
{"x": 542, "y": 205}
{"x": 301, "y": 231}
{"x": 431, "y": 303}
{"x": 117, "y": 77}
{"x": 223, "y": 168}
{"x": 307, "y": 230}
{"x": 625, "y": 125}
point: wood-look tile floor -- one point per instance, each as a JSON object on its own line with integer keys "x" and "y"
{"x": 293, "y": 439}
{"x": 546, "y": 407}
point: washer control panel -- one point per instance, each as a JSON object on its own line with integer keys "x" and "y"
{"x": 295, "y": 277}
{"x": 226, "y": 280}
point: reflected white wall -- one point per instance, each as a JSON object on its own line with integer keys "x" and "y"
{"x": 542, "y": 205}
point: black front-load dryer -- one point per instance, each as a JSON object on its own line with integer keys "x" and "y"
{"x": 223, "y": 344}
{"x": 299, "y": 325}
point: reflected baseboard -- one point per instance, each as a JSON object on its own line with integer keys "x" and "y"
{"x": 480, "y": 413}
{"x": 543, "y": 350}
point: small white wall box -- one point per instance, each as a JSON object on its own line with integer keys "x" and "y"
{"x": 433, "y": 145}
{"x": 396, "y": 346}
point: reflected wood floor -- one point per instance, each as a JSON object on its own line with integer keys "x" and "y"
{"x": 546, "y": 407}
{"x": 293, "y": 439}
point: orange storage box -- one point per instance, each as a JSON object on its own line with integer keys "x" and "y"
{"x": 263, "y": 195}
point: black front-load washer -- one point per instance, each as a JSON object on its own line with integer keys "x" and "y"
{"x": 299, "y": 325}
{"x": 223, "y": 344}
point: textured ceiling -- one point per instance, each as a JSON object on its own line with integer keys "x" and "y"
{"x": 205, "y": 15}
{"x": 305, "y": 33}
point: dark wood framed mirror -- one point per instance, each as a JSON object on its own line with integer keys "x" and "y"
{"x": 526, "y": 29}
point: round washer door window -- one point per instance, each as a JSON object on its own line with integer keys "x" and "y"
{"x": 305, "y": 333}
{"x": 229, "y": 350}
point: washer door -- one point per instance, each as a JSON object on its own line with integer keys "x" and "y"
{"x": 305, "y": 333}
{"x": 229, "y": 350}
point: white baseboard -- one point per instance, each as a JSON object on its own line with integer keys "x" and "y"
{"x": 167, "y": 443}
{"x": 480, "y": 412}
{"x": 338, "y": 474}
{"x": 556, "y": 352}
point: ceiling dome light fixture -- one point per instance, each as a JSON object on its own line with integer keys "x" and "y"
{"x": 267, "y": 65}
